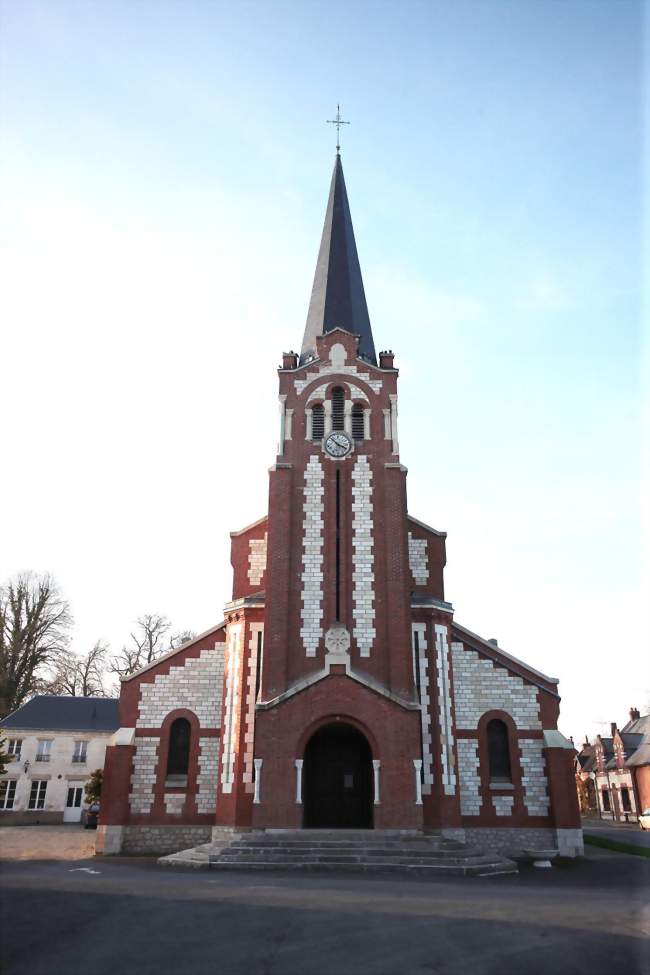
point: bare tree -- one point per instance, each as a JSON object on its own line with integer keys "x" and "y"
{"x": 35, "y": 622}
{"x": 147, "y": 644}
{"x": 80, "y": 676}
{"x": 178, "y": 639}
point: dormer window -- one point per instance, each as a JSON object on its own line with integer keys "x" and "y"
{"x": 318, "y": 422}
{"x": 358, "y": 431}
{"x": 338, "y": 408}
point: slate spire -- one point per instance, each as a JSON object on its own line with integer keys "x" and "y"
{"x": 337, "y": 296}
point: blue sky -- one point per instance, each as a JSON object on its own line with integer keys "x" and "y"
{"x": 164, "y": 170}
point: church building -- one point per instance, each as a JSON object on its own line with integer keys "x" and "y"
{"x": 340, "y": 691}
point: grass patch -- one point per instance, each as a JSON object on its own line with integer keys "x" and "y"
{"x": 617, "y": 846}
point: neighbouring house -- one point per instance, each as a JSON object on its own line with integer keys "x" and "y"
{"x": 622, "y": 769}
{"x": 585, "y": 764}
{"x": 54, "y": 744}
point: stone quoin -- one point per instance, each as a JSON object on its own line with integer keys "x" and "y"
{"x": 339, "y": 691}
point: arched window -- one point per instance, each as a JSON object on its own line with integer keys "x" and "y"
{"x": 357, "y": 422}
{"x": 338, "y": 408}
{"x": 318, "y": 422}
{"x": 498, "y": 751}
{"x": 178, "y": 755}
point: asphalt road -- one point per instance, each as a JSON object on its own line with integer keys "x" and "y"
{"x": 630, "y": 833}
{"x": 118, "y": 916}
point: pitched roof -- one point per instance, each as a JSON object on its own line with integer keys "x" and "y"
{"x": 337, "y": 297}
{"x": 640, "y": 726}
{"x": 49, "y": 712}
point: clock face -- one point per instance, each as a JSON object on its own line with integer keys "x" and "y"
{"x": 338, "y": 444}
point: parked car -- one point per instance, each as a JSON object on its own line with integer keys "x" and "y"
{"x": 644, "y": 819}
{"x": 91, "y": 815}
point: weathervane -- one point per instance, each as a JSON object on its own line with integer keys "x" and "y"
{"x": 338, "y": 122}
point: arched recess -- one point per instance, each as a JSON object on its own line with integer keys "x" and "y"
{"x": 338, "y": 778}
{"x": 492, "y": 788}
{"x": 181, "y": 782}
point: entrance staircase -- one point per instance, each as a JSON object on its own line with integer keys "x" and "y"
{"x": 364, "y": 851}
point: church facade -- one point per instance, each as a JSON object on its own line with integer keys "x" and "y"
{"x": 339, "y": 691}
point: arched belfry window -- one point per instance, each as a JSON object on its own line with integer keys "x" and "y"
{"x": 338, "y": 408}
{"x": 178, "y": 755}
{"x": 498, "y": 751}
{"x": 318, "y": 422}
{"x": 357, "y": 422}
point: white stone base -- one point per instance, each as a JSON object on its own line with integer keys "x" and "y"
{"x": 108, "y": 840}
{"x": 570, "y": 842}
{"x": 513, "y": 840}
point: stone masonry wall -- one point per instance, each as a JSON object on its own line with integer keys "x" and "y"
{"x": 144, "y": 775}
{"x": 533, "y": 776}
{"x": 363, "y": 577}
{"x": 195, "y": 685}
{"x": 470, "y": 796}
{"x": 312, "y": 558}
{"x": 479, "y": 686}
{"x": 163, "y": 839}
{"x": 206, "y": 800}
{"x": 418, "y": 560}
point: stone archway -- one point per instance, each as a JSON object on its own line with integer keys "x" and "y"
{"x": 338, "y": 779}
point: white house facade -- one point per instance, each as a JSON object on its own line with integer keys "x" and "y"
{"x": 54, "y": 744}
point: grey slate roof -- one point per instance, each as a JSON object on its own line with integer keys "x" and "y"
{"x": 49, "y": 712}
{"x": 337, "y": 298}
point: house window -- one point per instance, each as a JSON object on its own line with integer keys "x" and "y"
{"x": 338, "y": 408}
{"x": 44, "y": 749}
{"x": 79, "y": 754}
{"x": 498, "y": 751}
{"x": 37, "y": 794}
{"x": 178, "y": 756}
{"x": 7, "y": 793}
{"x": 606, "y": 803}
{"x": 357, "y": 422}
{"x": 318, "y": 422}
{"x": 14, "y": 746}
{"x": 625, "y": 799}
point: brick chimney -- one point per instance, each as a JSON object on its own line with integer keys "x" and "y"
{"x": 386, "y": 359}
{"x": 289, "y": 360}
{"x": 613, "y": 727}
{"x": 634, "y": 714}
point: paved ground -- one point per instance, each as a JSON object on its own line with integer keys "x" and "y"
{"x": 621, "y": 832}
{"x": 130, "y": 916}
{"x": 71, "y": 842}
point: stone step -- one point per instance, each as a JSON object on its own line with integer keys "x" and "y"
{"x": 348, "y": 851}
{"x": 483, "y": 869}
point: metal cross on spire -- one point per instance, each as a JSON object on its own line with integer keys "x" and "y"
{"x": 338, "y": 122}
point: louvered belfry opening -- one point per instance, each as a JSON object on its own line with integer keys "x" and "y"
{"x": 318, "y": 422}
{"x": 357, "y": 422}
{"x": 338, "y": 408}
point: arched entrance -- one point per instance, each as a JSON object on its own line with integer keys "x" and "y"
{"x": 337, "y": 783}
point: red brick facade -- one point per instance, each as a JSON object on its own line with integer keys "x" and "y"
{"x": 338, "y": 618}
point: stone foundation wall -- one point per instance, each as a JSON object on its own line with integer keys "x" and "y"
{"x": 163, "y": 839}
{"x": 512, "y": 840}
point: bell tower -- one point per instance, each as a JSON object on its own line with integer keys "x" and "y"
{"x": 337, "y": 594}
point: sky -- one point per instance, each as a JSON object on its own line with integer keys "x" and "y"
{"x": 164, "y": 168}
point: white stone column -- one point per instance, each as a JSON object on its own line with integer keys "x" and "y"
{"x": 308, "y": 424}
{"x": 366, "y": 424}
{"x": 347, "y": 416}
{"x": 376, "y": 766}
{"x": 393, "y": 422}
{"x": 417, "y": 763}
{"x": 257, "y": 762}
{"x": 283, "y": 400}
{"x": 327, "y": 405}
{"x": 386, "y": 424}
{"x": 288, "y": 424}
{"x": 299, "y": 764}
